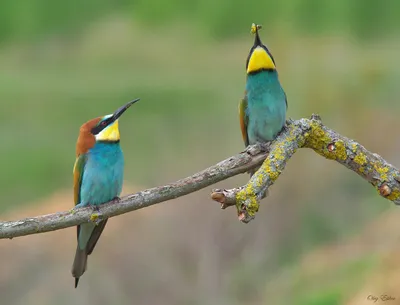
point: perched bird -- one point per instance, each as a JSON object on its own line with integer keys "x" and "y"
{"x": 262, "y": 111}
{"x": 98, "y": 177}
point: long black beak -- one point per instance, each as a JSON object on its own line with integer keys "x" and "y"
{"x": 257, "y": 40}
{"x": 122, "y": 109}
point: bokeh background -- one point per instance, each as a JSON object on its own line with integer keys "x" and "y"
{"x": 324, "y": 236}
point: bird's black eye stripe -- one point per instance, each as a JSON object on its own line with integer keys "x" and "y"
{"x": 99, "y": 127}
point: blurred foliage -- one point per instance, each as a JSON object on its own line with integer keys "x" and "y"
{"x": 323, "y": 289}
{"x": 365, "y": 19}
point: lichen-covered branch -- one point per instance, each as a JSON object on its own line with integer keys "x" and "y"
{"x": 311, "y": 133}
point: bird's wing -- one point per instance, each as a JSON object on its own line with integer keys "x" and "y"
{"x": 285, "y": 99}
{"x": 95, "y": 236}
{"x": 79, "y": 168}
{"x": 243, "y": 119}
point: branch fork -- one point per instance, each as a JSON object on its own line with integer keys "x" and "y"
{"x": 309, "y": 133}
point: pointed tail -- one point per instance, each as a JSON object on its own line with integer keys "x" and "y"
{"x": 79, "y": 265}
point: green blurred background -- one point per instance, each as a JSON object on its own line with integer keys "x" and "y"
{"x": 323, "y": 236}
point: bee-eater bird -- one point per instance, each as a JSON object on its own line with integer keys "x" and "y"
{"x": 262, "y": 111}
{"x": 98, "y": 177}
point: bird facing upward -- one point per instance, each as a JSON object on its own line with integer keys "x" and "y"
{"x": 262, "y": 111}
{"x": 98, "y": 177}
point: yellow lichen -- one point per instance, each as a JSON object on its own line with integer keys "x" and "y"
{"x": 394, "y": 195}
{"x": 341, "y": 150}
{"x": 317, "y": 133}
{"x": 279, "y": 152}
{"x": 319, "y": 140}
{"x": 94, "y": 217}
{"x": 242, "y": 195}
{"x": 382, "y": 170}
{"x": 302, "y": 141}
{"x": 252, "y": 207}
{"x": 360, "y": 159}
{"x": 248, "y": 197}
{"x": 267, "y": 167}
{"x": 259, "y": 180}
{"x": 354, "y": 147}
{"x": 273, "y": 175}
{"x": 361, "y": 169}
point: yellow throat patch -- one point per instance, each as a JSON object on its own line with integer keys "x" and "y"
{"x": 110, "y": 133}
{"x": 259, "y": 60}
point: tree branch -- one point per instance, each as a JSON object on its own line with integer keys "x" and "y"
{"x": 302, "y": 133}
{"x": 223, "y": 170}
{"x": 311, "y": 133}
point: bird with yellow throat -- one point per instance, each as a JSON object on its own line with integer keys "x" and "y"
{"x": 262, "y": 111}
{"x": 98, "y": 178}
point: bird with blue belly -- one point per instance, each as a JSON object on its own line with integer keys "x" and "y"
{"x": 262, "y": 111}
{"x": 98, "y": 178}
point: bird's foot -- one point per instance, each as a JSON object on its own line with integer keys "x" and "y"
{"x": 116, "y": 199}
{"x": 258, "y": 148}
{"x": 265, "y": 147}
{"x": 95, "y": 207}
{"x": 79, "y": 205}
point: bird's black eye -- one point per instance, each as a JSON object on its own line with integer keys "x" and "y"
{"x": 104, "y": 123}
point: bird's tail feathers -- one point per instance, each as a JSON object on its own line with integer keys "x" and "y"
{"x": 80, "y": 264}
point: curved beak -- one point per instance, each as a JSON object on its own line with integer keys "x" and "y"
{"x": 122, "y": 109}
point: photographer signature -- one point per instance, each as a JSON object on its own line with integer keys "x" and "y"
{"x": 383, "y": 298}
